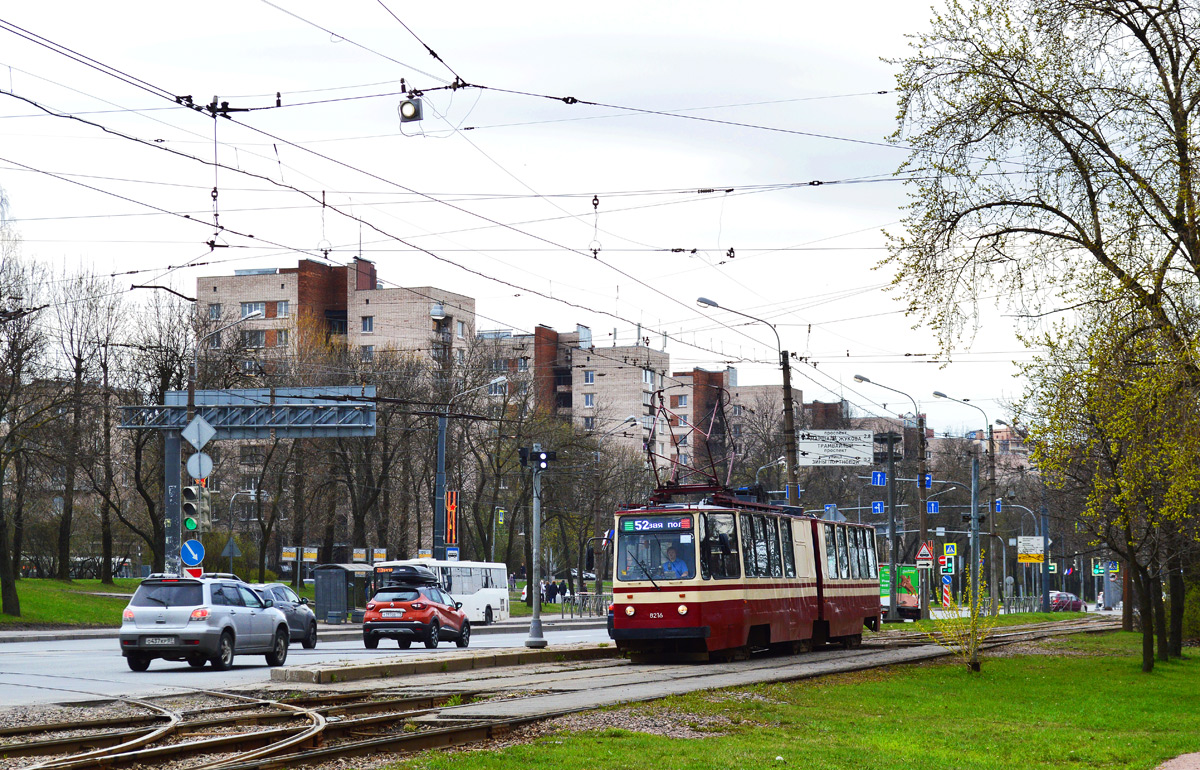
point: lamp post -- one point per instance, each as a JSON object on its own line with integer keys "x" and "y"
{"x": 1045, "y": 529}
{"x": 780, "y": 461}
{"x": 195, "y": 371}
{"x": 789, "y": 416}
{"x": 252, "y": 493}
{"x": 923, "y": 522}
{"x": 439, "y": 502}
{"x": 991, "y": 488}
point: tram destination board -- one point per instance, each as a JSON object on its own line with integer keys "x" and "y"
{"x": 656, "y": 524}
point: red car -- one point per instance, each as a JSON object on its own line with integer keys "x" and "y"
{"x": 1061, "y": 601}
{"x": 414, "y": 607}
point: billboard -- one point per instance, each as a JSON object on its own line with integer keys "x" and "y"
{"x": 908, "y": 587}
{"x": 835, "y": 447}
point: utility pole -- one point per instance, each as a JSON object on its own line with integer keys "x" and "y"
{"x": 893, "y": 541}
{"x": 1045, "y": 554}
{"x": 789, "y": 426}
{"x": 533, "y": 587}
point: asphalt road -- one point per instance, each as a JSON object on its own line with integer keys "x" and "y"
{"x": 81, "y": 670}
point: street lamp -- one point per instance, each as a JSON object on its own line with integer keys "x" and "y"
{"x": 439, "y": 503}
{"x": 630, "y": 419}
{"x": 923, "y": 522}
{"x": 253, "y": 494}
{"x": 789, "y": 417}
{"x": 779, "y": 461}
{"x": 196, "y": 359}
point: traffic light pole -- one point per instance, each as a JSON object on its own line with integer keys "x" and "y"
{"x": 533, "y": 587}
{"x": 172, "y": 511}
{"x": 439, "y": 501}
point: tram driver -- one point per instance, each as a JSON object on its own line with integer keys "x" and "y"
{"x": 674, "y": 567}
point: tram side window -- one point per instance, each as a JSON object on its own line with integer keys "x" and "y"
{"x": 748, "y": 560}
{"x": 854, "y": 547}
{"x": 789, "y": 555}
{"x": 843, "y": 556}
{"x": 771, "y": 535}
{"x": 863, "y": 553}
{"x": 718, "y": 547}
{"x": 871, "y": 556}
{"x": 831, "y": 564}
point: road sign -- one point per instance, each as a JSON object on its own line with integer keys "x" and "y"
{"x": 1030, "y": 550}
{"x": 199, "y": 466}
{"x": 945, "y": 596}
{"x": 198, "y": 432}
{"x": 193, "y": 572}
{"x": 998, "y": 501}
{"x": 192, "y": 552}
{"x": 950, "y": 549}
{"x": 451, "y": 553}
{"x": 877, "y": 506}
{"x": 948, "y": 567}
{"x": 879, "y": 478}
{"x": 940, "y": 532}
{"x": 359, "y": 555}
{"x": 1114, "y": 567}
{"x": 424, "y": 554}
{"x": 310, "y": 553}
{"x": 834, "y": 447}
{"x": 946, "y": 580}
{"x": 287, "y": 553}
{"x": 378, "y": 554}
{"x": 500, "y": 512}
{"x": 929, "y": 481}
{"x": 926, "y": 551}
{"x": 232, "y": 550}
{"x": 932, "y": 506}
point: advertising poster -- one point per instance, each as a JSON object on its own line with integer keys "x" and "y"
{"x": 908, "y": 589}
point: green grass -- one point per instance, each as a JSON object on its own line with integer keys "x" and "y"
{"x": 46, "y": 602}
{"x": 1087, "y": 706}
{"x": 1015, "y": 619}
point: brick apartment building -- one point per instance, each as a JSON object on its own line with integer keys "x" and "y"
{"x": 348, "y": 300}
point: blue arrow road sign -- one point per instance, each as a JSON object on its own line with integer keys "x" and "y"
{"x": 929, "y": 481}
{"x": 877, "y": 507}
{"x": 932, "y": 506}
{"x": 946, "y": 579}
{"x": 879, "y": 478}
{"x": 192, "y": 552}
{"x": 830, "y": 507}
{"x": 998, "y": 501}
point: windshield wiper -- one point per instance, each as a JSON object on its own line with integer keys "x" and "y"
{"x": 645, "y": 569}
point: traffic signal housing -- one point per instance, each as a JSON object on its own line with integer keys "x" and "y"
{"x": 542, "y": 460}
{"x": 205, "y": 510}
{"x": 191, "y": 509}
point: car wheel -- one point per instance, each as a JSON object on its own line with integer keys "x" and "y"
{"x": 464, "y": 634}
{"x": 433, "y": 640}
{"x": 223, "y": 660}
{"x": 138, "y": 662}
{"x": 279, "y": 650}
{"x": 310, "y": 639}
{"x": 196, "y": 661}
{"x": 487, "y": 616}
{"x": 370, "y": 641}
{"x": 404, "y": 644}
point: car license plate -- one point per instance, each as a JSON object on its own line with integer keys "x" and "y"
{"x": 150, "y": 640}
{"x": 391, "y": 614}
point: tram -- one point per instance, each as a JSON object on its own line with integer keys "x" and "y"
{"x": 723, "y": 575}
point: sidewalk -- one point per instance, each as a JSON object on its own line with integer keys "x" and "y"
{"x": 325, "y": 632}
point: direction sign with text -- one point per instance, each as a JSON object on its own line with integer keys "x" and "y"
{"x": 1030, "y": 550}
{"x": 835, "y": 447}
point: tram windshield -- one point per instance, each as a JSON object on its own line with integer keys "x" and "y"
{"x": 656, "y": 548}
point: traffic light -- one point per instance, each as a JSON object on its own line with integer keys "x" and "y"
{"x": 205, "y": 510}
{"x": 542, "y": 459}
{"x": 523, "y": 453}
{"x": 191, "y": 508}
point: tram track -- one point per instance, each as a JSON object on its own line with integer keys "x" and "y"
{"x": 316, "y": 728}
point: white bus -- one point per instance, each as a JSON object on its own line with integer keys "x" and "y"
{"x": 481, "y": 586}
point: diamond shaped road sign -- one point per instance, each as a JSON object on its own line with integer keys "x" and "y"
{"x": 198, "y": 432}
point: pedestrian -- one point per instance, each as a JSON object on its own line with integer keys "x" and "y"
{"x": 564, "y": 590}
{"x": 551, "y": 592}
{"x": 512, "y": 582}
{"x": 542, "y": 590}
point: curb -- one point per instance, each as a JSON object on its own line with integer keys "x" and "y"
{"x": 331, "y": 674}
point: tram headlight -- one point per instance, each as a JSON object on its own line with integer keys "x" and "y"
{"x": 629, "y": 610}
{"x": 683, "y": 609}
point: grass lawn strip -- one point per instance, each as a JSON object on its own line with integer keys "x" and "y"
{"x": 80, "y": 603}
{"x": 1079, "y": 701}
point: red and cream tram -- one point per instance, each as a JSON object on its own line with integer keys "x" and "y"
{"x": 723, "y": 575}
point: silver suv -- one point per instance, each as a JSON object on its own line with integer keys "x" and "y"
{"x": 199, "y": 620}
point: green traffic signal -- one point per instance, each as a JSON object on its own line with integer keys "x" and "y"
{"x": 190, "y": 524}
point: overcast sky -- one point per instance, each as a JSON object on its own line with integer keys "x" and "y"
{"x": 494, "y": 184}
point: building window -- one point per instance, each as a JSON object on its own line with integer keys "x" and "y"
{"x": 648, "y": 376}
{"x": 684, "y": 459}
{"x": 647, "y": 399}
{"x": 252, "y": 455}
{"x": 589, "y": 377}
{"x": 683, "y": 400}
{"x": 368, "y": 323}
{"x": 368, "y": 352}
{"x": 648, "y": 424}
{"x": 460, "y": 355}
{"x": 214, "y": 312}
{"x": 589, "y": 399}
{"x": 497, "y": 388}
{"x": 281, "y": 338}
{"x": 254, "y": 307}
{"x": 737, "y": 410}
{"x": 499, "y": 364}
{"x": 461, "y": 328}
{"x": 337, "y": 325}
{"x": 736, "y": 430}
{"x": 522, "y": 364}
{"x": 683, "y": 419}
{"x": 281, "y": 309}
{"x": 214, "y": 342}
{"x": 250, "y": 367}
{"x": 589, "y": 423}
{"x": 683, "y": 440}
{"x": 254, "y": 338}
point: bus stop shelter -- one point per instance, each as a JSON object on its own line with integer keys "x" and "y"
{"x": 341, "y": 591}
